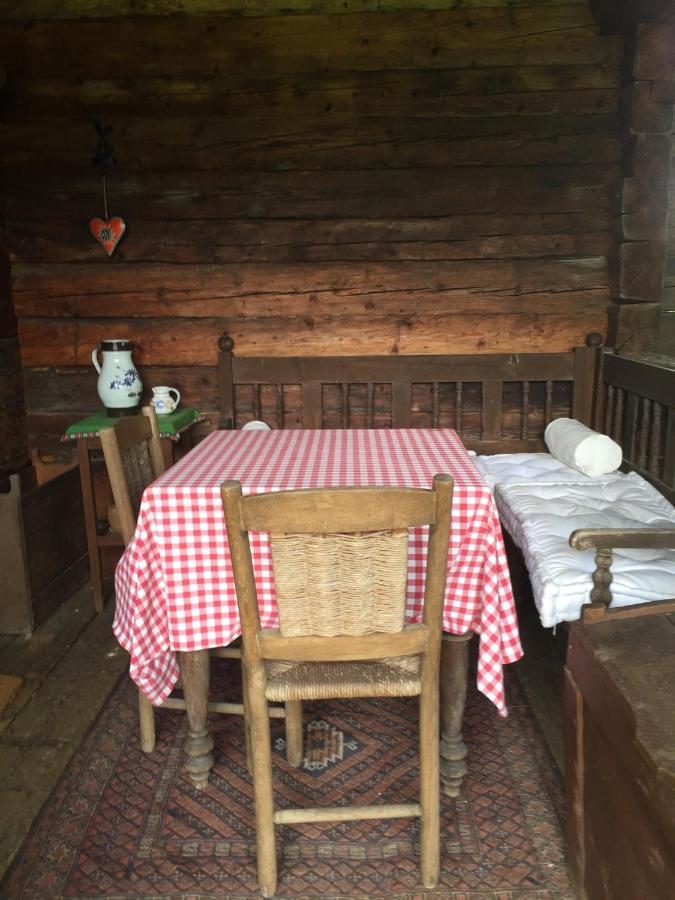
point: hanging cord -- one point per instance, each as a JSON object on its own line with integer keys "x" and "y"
{"x": 103, "y": 157}
{"x": 105, "y": 196}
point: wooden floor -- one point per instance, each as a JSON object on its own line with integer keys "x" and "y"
{"x": 69, "y": 667}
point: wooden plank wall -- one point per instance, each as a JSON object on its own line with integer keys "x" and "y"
{"x": 649, "y": 95}
{"x": 411, "y": 180}
{"x": 667, "y": 322}
{"x": 13, "y": 452}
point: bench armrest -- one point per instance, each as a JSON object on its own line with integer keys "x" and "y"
{"x": 614, "y": 538}
{"x": 603, "y": 541}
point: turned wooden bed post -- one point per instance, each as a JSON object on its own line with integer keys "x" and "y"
{"x": 604, "y": 541}
{"x": 225, "y": 382}
{"x": 586, "y": 391}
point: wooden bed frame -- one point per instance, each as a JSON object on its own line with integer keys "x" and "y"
{"x": 497, "y": 403}
{"x": 636, "y": 407}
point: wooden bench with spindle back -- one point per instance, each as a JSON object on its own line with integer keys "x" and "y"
{"x": 497, "y": 403}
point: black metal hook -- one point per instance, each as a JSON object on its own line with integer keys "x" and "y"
{"x": 103, "y": 152}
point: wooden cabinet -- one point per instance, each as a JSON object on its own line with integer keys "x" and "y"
{"x": 42, "y": 547}
{"x": 620, "y": 748}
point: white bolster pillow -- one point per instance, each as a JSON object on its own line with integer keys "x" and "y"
{"x": 582, "y": 448}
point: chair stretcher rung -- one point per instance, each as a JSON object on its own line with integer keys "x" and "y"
{"x": 173, "y": 703}
{"x": 347, "y": 813}
{"x": 235, "y": 709}
{"x": 226, "y": 653}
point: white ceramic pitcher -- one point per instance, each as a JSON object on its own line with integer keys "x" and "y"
{"x": 119, "y": 385}
{"x": 162, "y": 400}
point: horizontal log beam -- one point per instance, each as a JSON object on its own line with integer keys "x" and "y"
{"x": 633, "y": 327}
{"x": 654, "y": 49}
{"x": 528, "y": 90}
{"x": 30, "y": 10}
{"x": 477, "y": 237}
{"x": 620, "y": 16}
{"x": 652, "y": 107}
{"x": 547, "y": 35}
{"x": 160, "y": 342}
{"x": 642, "y": 265}
{"x": 257, "y": 288}
{"x": 327, "y": 144}
{"x": 373, "y": 194}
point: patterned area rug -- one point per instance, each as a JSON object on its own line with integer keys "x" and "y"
{"x": 123, "y": 824}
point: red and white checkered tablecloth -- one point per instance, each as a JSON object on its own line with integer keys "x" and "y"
{"x": 174, "y": 584}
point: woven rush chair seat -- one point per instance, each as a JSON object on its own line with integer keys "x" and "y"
{"x": 330, "y": 681}
{"x": 134, "y": 459}
{"x": 339, "y": 558}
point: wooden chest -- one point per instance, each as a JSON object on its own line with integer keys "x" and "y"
{"x": 620, "y": 749}
{"x": 42, "y": 547}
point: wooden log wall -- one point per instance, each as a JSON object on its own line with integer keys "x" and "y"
{"x": 649, "y": 97}
{"x": 411, "y": 180}
{"x": 643, "y": 316}
{"x": 13, "y": 451}
{"x": 666, "y": 343}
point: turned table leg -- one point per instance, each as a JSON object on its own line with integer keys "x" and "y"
{"x": 195, "y": 668}
{"x": 454, "y": 675}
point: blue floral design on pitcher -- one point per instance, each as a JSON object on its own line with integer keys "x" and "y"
{"x": 126, "y": 380}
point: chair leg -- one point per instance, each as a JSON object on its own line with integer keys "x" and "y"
{"x": 263, "y": 791}
{"x": 146, "y": 716}
{"x": 429, "y": 789}
{"x": 293, "y": 722}
{"x": 247, "y": 724}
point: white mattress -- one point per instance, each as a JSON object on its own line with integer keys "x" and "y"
{"x": 524, "y": 468}
{"x": 542, "y": 501}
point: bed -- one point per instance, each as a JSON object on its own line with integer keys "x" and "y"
{"x": 543, "y": 502}
{"x": 500, "y": 405}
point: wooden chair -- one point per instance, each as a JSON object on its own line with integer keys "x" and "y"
{"x": 340, "y": 570}
{"x": 134, "y": 458}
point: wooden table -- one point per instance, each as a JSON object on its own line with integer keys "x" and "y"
{"x": 165, "y": 599}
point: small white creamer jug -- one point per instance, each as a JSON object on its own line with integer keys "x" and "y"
{"x": 162, "y": 400}
{"x": 119, "y": 385}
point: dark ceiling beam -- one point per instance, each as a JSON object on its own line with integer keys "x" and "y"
{"x": 618, "y": 16}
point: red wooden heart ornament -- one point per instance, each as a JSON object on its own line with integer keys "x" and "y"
{"x": 109, "y": 233}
